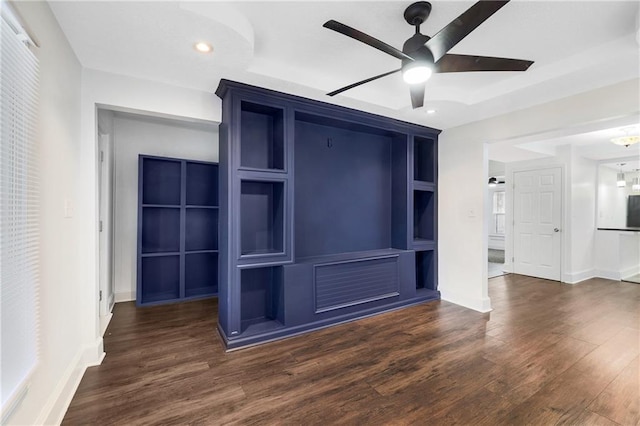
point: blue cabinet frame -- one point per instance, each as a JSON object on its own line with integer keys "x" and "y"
{"x": 177, "y": 230}
{"x": 327, "y": 214}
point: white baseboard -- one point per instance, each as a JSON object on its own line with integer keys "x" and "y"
{"x": 56, "y": 406}
{"x": 477, "y": 304}
{"x": 629, "y": 272}
{"x": 617, "y": 275}
{"x": 15, "y": 399}
{"x": 576, "y": 277}
{"x": 125, "y": 296}
{"x": 610, "y": 275}
{"x": 104, "y": 322}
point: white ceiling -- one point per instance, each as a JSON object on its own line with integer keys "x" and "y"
{"x": 591, "y": 141}
{"x": 576, "y": 45}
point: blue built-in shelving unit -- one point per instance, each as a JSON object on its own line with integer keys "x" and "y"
{"x": 177, "y": 230}
{"x": 327, "y": 214}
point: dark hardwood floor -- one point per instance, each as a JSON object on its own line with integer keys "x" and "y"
{"x": 548, "y": 354}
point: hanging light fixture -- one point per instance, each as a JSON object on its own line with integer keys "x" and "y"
{"x": 635, "y": 183}
{"x": 493, "y": 181}
{"x": 621, "y": 182}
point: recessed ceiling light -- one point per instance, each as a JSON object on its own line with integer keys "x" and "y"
{"x": 431, "y": 111}
{"x": 203, "y": 47}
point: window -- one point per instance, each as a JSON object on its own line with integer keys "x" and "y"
{"x": 498, "y": 222}
{"x": 19, "y": 202}
{"x": 498, "y": 202}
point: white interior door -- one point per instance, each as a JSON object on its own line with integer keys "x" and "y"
{"x": 537, "y": 214}
{"x": 107, "y": 296}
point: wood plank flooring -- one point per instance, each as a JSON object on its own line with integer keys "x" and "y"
{"x": 548, "y": 353}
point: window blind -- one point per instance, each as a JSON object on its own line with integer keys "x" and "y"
{"x": 19, "y": 200}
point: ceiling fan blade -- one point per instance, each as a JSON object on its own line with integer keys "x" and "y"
{"x": 351, "y": 86}
{"x": 417, "y": 95}
{"x": 464, "y": 63}
{"x": 366, "y": 39}
{"x": 460, "y": 27}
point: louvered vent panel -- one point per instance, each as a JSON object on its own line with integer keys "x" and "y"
{"x": 350, "y": 283}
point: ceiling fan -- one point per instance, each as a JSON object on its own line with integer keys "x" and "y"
{"x": 422, "y": 55}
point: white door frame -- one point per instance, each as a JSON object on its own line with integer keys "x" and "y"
{"x": 511, "y": 208}
{"x": 105, "y": 231}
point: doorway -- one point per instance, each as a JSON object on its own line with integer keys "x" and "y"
{"x": 124, "y": 135}
{"x": 496, "y": 225}
{"x": 496, "y": 209}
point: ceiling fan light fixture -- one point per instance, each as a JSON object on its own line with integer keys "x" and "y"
{"x": 416, "y": 72}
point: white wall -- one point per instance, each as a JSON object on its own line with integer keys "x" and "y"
{"x": 153, "y": 98}
{"x": 617, "y": 254}
{"x": 496, "y": 168}
{"x": 462, "y": 226}
{"x": 607, "y": 254}
{"x": 583, "y": 181}
{"x": 462, "y": 273}
{"x": 629, "y": 254}
{"x": 67, "y": 344}
{"x": 135, "y": 135}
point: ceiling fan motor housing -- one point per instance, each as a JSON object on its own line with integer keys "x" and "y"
{"x": 415, "y": 48}
{"x": 422, "y": 55}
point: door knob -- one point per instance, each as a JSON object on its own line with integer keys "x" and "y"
{"x": 556, "y": 230}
